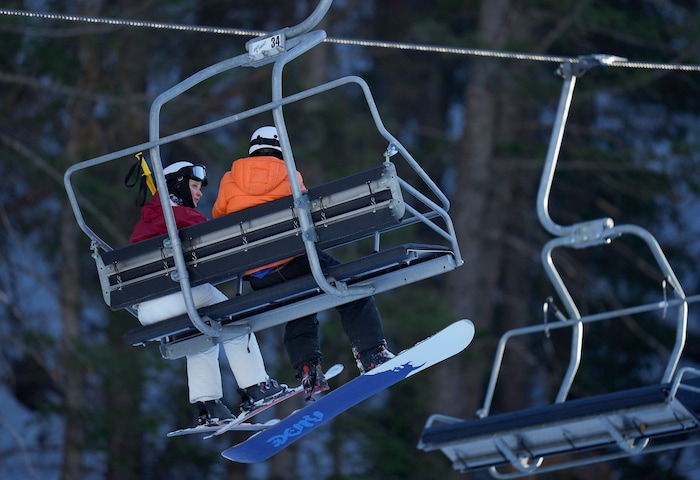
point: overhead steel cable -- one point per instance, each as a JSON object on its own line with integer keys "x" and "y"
{"x": 125, "y": 22}
{"x": 623, "y": 63}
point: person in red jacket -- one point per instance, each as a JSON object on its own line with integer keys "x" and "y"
{"x": 185, "y": 181}
{"x": 260, "y": 178}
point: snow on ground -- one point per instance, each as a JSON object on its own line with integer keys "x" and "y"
{"x": 29, "y": 447}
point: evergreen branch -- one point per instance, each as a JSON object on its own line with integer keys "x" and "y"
{"x": 64, "y": 90}
{"x": 58, "y": 177}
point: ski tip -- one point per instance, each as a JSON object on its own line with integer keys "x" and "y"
{"x": 334, "y": 370}
{"x": 464, "y": 328}
{"x": 468, "y": 327}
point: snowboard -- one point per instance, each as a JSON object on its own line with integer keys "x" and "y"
{"x": 240, "y": 422}
{"x": 432, "y": 350}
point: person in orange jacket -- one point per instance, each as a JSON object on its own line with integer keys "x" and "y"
{"x": 262, "y": 177}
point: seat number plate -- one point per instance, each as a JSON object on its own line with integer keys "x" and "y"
{"x": 266, "y": 47}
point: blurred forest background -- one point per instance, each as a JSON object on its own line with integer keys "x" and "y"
{"x": 78, "y": 403}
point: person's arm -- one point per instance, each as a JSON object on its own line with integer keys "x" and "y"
{"x": 219, "y": 208}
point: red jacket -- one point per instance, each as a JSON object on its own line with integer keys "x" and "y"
{"x": 253, "y": 181}
{"x": 152, "y": 221}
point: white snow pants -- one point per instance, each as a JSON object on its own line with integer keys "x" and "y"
{"x": 203, "y": 373}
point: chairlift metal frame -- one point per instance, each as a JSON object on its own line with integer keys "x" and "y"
{"x": 523, "y": 442}
{"x": 277, "y": 48}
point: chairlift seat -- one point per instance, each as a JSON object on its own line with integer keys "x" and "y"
{"x": 241, "y": 308}
{"x": 623, "y": 420}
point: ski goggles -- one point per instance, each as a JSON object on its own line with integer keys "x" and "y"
{"x": 197, "y": 172}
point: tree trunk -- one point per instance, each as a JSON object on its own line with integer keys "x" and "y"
{"x": 73, "y": 382}
{"x": 470, "y": 289}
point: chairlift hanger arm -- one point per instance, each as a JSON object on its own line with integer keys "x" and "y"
{"x": 209, "y": 328}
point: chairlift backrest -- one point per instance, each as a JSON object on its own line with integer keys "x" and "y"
{"x": 222, "y": 249}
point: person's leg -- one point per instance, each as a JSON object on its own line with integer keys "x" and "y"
{"x": 362, "y": 324}
{"x": 243, "y": 353}
{"x": 301, "y": 336}
{"x": 246, "y": 360}
{"x": 204, "y": 376}
{"x": 360, "y": 319}
{"x": 203, "y": 373}
{"x": 301, "y": 340}
{"x": 204, "y": 382}
{"x": 162, "y": 308}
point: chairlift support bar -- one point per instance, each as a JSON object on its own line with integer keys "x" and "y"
{"x": 590, "y": 233}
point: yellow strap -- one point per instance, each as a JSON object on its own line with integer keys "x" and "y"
{"x": 147, "y": 173}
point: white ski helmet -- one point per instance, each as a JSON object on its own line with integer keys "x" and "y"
{"x": 265, "y": 137}
{"x": 177, "y": 178}
{"x": 186, "y": 169}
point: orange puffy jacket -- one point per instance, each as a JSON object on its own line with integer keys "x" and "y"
{"x": 253, "y": 181}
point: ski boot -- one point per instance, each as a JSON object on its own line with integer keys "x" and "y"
{"x": 312, "y": 378}
{"x": 213, "y": 412}
{"x": 260, "y": 393}
{"x": 371, "y": 358}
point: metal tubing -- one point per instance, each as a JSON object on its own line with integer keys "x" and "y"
{"x": 173, "y": 236}
{"x": 553, "y": 150}
{"x": 302, "y": 205}
{"x": 577, "y": 327}
{"x": 541, "y": 328}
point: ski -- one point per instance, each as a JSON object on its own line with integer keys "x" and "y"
{"x": 240, "y": 423}
{"x": 334, "y": 371}
{"x": 432, "y": 350}
{"x": 205, "y": 429}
